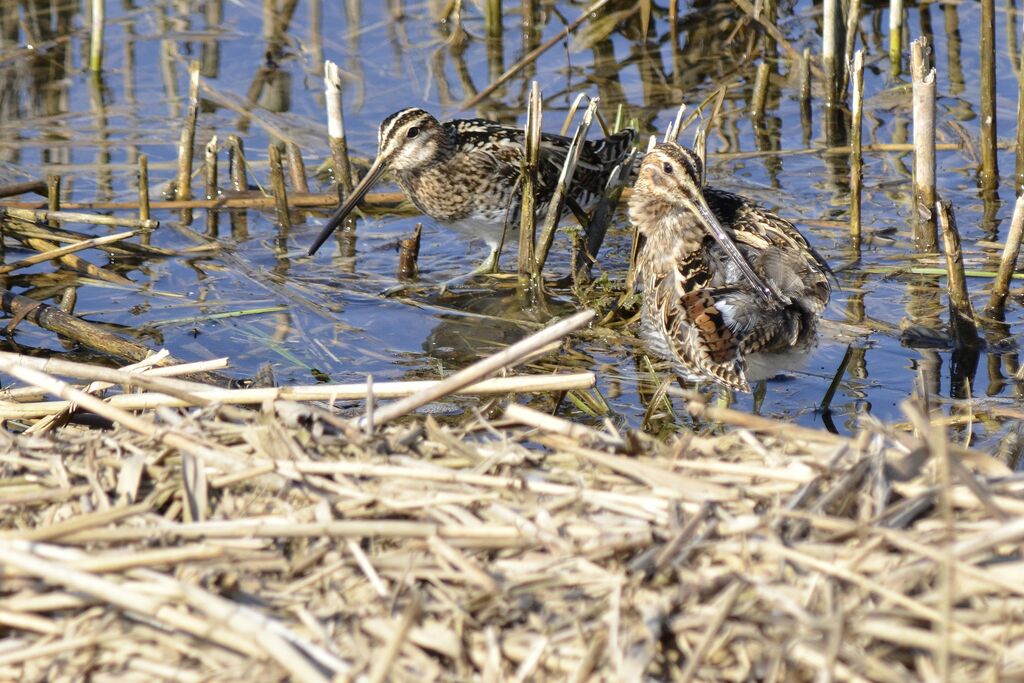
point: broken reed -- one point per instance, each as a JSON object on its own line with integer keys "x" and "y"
{"x": 1008, "y": 262}
{"x": 561, "y": 193}
{"x": 923, "y": 96}
{"x": 961, "y": 312}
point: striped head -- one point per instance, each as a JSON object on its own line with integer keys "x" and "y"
{"x": 668, "y": 200}
{"x": 409, "y": 139}
{"x": 668, "y": 207}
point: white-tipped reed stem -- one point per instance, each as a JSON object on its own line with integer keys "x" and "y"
{"x": 923, "y": 76}
{"x": 96, "y": 35}
{"x": 856, "y": 158}
{"x": 336, "y": 128}
{"x": 896, "y": 36}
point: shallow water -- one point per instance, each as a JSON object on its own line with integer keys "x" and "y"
{"x": 322, "y": 318}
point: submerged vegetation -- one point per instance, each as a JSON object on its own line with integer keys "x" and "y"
{"x": 221, "y": 458}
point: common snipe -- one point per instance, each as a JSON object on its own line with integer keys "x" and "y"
{"x": 465, "y": 174}
{"x": 723, "y": 279}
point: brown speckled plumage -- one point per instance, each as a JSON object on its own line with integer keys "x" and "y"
{"x": 466, "y": 173}
{"x": 722, "y": 277}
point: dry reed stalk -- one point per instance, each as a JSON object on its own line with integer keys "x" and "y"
{"x": 40, "y": 187}
{"x": 336, "y": 129}
{"x": 296, "y": 168}
{"x": 480, "y": 370}
{"x": 531, "y": 56}
{"x": 987, "y": 118}
{"x": 236, "y": 164}
{"x": 97, "y": 20}
{"x": 68, "y": 299}
{"x": 896, "y": 37}
{"x": 53, "y": 186}
{"x": 186, "y": 145}
{"x": 560, "y": 195}
{"x": 1019, "y": 142}
{"x": 73, "y": 217}
{"x": 830, "y": 48}
{"x": 143, "y": 182}
{"x": 211, "y": 186}
{"x": 1008, "y": 262}
{"x": 96, "y": 373}
{"x": 20, "y": 555}
{"x": 856, "y": 157}
{"x": 278, "y": 187}
{"x": 852, "y": 28}
{"x": 408, "y": 255}
{"x": 760, "y": 92}
{"x": 924, "y": 146}
{"x": 961, "y": 312}
{"x": 493, "y": 19}
{"x": 75, "y": 262}
{"x": 182, "y": 394}
{"x": 61, "y": 251}
{"x": 528, "y": 181}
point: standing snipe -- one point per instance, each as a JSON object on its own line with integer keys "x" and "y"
{"x": 465, "y": 173}
{"x": 723, "y": 279}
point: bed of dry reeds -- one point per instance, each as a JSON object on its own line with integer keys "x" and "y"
{"x": 321, "y": 541}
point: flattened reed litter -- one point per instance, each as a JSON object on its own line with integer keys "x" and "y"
{"x": 283, "y": 542}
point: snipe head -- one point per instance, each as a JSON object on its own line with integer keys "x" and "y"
{"x": 669, "y": 208}
{"x": 407, "y": 140}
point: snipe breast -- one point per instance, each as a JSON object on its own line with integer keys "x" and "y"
{"x": 465, "y": 174}
{"x": 723, "y": 279}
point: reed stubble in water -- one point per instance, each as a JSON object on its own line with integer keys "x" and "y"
{"x": 923, "y": 96}
{"x": 961, "y": 311}
{"x": 856, "y": 157}
{"x": 527, "y": 216}
{"x": 336, "y": 129}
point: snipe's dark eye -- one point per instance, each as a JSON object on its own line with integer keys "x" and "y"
{"x": 412, "y": 132}
{"x": 667, "y": 167}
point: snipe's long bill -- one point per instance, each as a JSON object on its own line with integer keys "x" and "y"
{"x": 723, "y": 278}
{"x": 465, "y": 173}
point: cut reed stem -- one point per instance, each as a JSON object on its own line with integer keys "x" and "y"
{"x": 896, "y": 36}
{"x": 336, "y": 129}
{"x": 923, "y": 76}
{"x": 528, "y": 183}
{"x": 856, "y": 157}
{"x": 408, "y": 255}
{"x": 988, "y": 141}
{"x": 277, "y": 186}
